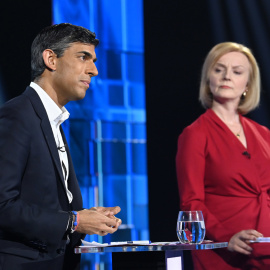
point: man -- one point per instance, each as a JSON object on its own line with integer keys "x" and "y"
{"x": 38, "y": 186}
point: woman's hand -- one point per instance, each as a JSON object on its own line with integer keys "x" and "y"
{"x": 239, "y": 242}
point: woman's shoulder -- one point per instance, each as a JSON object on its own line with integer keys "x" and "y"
{"x": 255, "y": 126}
{"x": 199, "y": 125}
{"x": 197, "y": 130}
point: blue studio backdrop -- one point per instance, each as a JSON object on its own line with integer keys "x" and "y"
{"x": 107, "y": 129}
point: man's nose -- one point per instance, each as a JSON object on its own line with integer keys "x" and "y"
{"x": 92, "y": 70}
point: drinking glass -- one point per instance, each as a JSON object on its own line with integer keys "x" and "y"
{"x": 190, "y": 227}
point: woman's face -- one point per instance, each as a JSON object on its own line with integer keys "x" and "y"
{"x": 229, "y": 77}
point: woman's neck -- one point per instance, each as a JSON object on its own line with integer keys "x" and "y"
{"x": 228, "y": 114}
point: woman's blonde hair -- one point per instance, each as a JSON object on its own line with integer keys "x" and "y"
{"x": 252, "y": 98}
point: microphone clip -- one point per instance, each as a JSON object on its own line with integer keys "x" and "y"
{"x": 247, "y": 154}
{"x": 62, "y": 148}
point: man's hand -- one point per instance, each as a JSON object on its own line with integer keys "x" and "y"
{"x": 107, "y": 211}
{"x": 239, "y": 242}
{"x": 99, "y": 220}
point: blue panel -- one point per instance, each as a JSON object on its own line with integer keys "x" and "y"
{"x": 137, "y": 96}
{"x": 114, "y": 131}
{"x": 107, "y": 129}
{"x": 134, "y": 63}
{"x": 116, "y": 95}
{"x": 114, "y": 158}
{"x": 134, "y": 26}
{"x": 111, "y": 22}
{"x": 139, "y": 158}
{"x": 80, "y": 145}
{"x": 138, "y": 131}
{"x": 140, "y": 191}
{"x": 76, "y": 12}
{"x": 115, "y": 70}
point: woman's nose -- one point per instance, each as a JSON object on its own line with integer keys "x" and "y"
{"x": 226, "y": 75}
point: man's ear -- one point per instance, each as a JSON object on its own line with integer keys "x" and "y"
{"x": 49, "y": 58}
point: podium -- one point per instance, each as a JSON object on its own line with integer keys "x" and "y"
{"x": 155, "y": 256}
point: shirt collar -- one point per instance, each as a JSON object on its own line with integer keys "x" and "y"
{"x": 55, "y": 114}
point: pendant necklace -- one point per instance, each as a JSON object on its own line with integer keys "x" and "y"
{"x": 239, "y": 132}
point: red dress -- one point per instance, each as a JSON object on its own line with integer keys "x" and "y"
{"x": 229, "y": 183}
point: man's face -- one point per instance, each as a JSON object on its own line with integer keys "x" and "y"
{"x": 74, "y": 71}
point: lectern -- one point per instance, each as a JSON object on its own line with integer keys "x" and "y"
{"x": 155, "y": 256}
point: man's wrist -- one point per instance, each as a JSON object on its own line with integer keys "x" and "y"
{"x": 73, "y": 221}
{"x": 70, "y": 222}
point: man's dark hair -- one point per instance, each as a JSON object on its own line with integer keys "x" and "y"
{"x": 58, "y": 38}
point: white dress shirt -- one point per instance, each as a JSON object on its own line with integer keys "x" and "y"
{"x": 56, "y": 117}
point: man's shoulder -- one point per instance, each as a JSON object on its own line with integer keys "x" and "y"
{"x": 22, "y": 100}
{"x": 20, "y": 105}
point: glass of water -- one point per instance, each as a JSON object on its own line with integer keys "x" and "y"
{"x": 190, "y": 227}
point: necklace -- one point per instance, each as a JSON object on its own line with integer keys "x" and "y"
{"x": 239, "y": 132}
{"x": 231, "y": 125}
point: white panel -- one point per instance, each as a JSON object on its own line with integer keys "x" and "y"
{"x": 174, "y": 263}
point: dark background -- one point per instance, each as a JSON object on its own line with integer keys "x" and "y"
{"x": 20, "y": 21}
{"x": 178, "y": 35}
{"x": 177, "y": 38}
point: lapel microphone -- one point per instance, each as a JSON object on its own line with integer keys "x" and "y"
{"x": 247, "y": 154}
{"x": 62, "y": 148}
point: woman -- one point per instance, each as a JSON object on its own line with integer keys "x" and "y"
{"x": 223, "y": 162}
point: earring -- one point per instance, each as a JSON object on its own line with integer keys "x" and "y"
{"x": 244, "y": 95}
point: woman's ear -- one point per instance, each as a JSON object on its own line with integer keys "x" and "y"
{"x": 49, "y": 58}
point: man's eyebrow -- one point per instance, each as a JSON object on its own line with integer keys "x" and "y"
{"x": 88, "y": 54}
